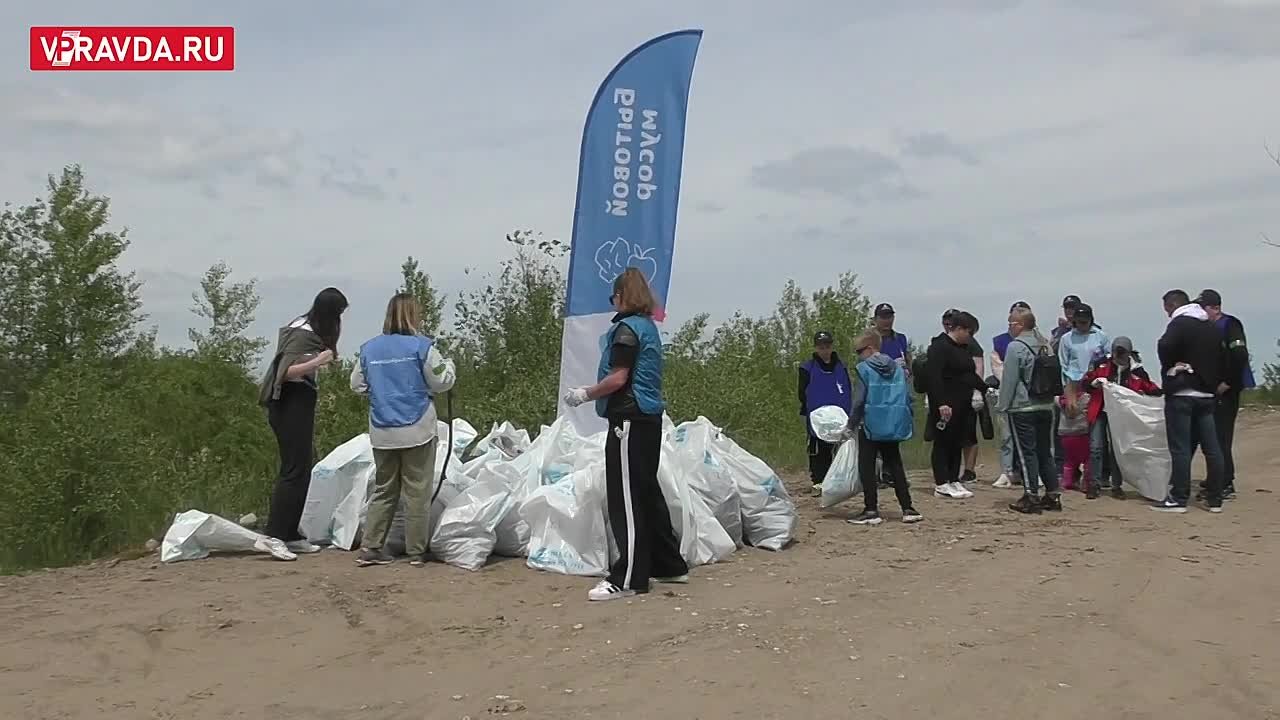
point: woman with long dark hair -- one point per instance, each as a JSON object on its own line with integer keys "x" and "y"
{"x": 288, "y": 391}
{"x": 629, "y": 395}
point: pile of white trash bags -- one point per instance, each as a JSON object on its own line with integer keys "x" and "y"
{"x": 541, "y": 499}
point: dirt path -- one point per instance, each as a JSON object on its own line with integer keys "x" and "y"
{"x": 1106, "y": 611}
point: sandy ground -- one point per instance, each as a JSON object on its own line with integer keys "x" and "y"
{"x": 1106, "y": 611}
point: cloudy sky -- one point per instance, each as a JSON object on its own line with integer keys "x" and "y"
{"x": 951, "y": 152}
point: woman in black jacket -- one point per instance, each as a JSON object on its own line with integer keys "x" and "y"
{"x": 952, "y": 380}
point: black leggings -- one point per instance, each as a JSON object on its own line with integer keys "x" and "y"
{"x": 638, "y": 514}
{"x": 293, "y": 420}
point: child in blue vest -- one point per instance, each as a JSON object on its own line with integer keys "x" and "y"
{"x": 629, "y": 395}
{"x": 881, "y": 418}
{"x": 823, "y": 380}
{"x": 401, "y": 371}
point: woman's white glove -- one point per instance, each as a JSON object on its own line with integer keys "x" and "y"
{"x": 576, "y": 397}
{"x": 847, "y": 434}
{"x": 977, "y": 401}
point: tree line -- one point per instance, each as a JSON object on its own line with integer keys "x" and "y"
{"x": 106, "y": 434}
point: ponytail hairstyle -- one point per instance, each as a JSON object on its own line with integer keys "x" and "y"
{"x": 633, "y": 293}
{"x": 325, "y": 316}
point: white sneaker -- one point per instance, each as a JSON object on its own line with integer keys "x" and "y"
{"x": 302, "y": 547}
{"x": 960, "y": 491}
{"x": 946, "y": 491}
{"x": 816, "y": 490}
{"x": 608, "y": 591}
{"x": 274, "y": 547}
{"x": 1003, "y": 481}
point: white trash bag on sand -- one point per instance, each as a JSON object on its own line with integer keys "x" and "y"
{"x": 465, "y": 535}
{"x": 702, "y": 539}
{"x": 691, "y": 451}
{"x": 338, "y": 494}
{"x": 1139, "y": 440}
{"x": 567, "y": 532}
{"x": 195, "y": 534}
{"x": 842, "y": 481}
{"x": 828, "y": 423}
{"x": 768, "y": 513}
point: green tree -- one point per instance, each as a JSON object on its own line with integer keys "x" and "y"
{"x": 64, "y": 298}
{"x": 230, "y": 309}
{"x": 506, "y": 340}
{"x": 418, "y": 283}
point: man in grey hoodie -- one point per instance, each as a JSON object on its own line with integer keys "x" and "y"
{"x": 881, "y": 418}
{"x": 1030, "y": 418}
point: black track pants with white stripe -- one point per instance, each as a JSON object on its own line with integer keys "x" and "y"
{"x": 638, "y": 514}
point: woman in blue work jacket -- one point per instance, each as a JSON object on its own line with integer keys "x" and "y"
{"x": 628, "y": 393}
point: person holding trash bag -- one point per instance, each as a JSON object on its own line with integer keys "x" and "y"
{"x": 628, "y": 393}
{"x": 401, "y": 371}
{"x": 1123, "y": 367}
{"x": 288, "y": 390}
{"x": 823, "y": 380}
{"x": 882, "y": 420}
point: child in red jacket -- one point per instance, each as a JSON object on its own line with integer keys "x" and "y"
{"x": 1124, "y": 368}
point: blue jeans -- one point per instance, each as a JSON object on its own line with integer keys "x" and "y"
{"x": 1189, "y": 421}
{"x": 1033, "y": 442}
{"x": 1008, "y": 465}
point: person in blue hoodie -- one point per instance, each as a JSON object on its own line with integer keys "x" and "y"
{"x": 881, "y": 419}
{"x": 823, "y": 380}
{"x": 628, "y": 393}
{"x": 401, "y": 371}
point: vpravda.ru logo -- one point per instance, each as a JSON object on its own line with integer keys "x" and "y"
{"x": 132, "y": 48}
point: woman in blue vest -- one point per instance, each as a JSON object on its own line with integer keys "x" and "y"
{"x": 823, "y": 380}
{"x": 629, "y": 395}
{"x": 288, "y": 390}
{"x": 882, "y": 420}
{"x": 401, "y": 371}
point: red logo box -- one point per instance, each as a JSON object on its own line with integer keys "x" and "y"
{"x": 82, "y": 48}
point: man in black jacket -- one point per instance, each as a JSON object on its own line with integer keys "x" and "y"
{"x": 1193, "y": 365}
{"x": 1239, "y": 378}
{"x": 951, "y": 381}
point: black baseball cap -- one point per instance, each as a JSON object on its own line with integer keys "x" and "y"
{"x": 1083, "y": 312}
{"x": 823, "y": 337}
{"x": 1209, "y": 298}
{"x": 1072, "y": 301}
{"x": 884, "y": 310}
{"x": 1020, "y": 304}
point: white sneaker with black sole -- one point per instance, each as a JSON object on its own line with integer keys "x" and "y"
{"x": 1003, "y": 481}
{"x": 608, "y": 591}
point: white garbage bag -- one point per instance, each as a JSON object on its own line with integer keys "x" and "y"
{"x": 338, "y": 494}
{"x": 195, "y": 534}
{"x": 513, "y": 531}
{"x": 768, "y": 513}
{"x": 842, "y": 481}
{"x": 702, "y": 540}
{"x": 1138, "y": 438}
{"x": 828, "y": 422}
{"x": 463, "y": 435}
{"x": 465, "y": 534}
{"x": 691, "y": 453}
{"x": 561, "y": 449}
{"x": 566, "y": 520}
{"x": 505, "y": 438}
